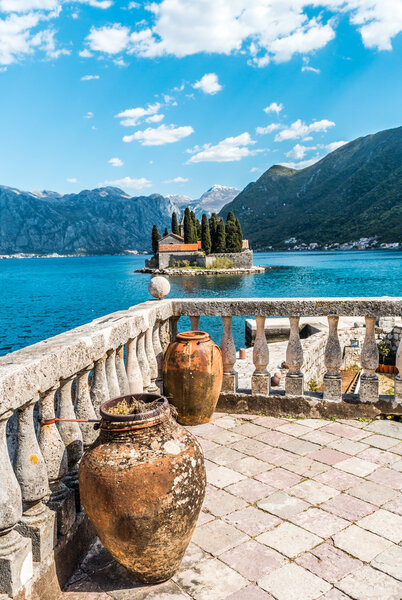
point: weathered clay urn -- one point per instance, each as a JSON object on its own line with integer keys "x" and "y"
{"x": 142, "y": 484}
{"x": 192, "y": 376}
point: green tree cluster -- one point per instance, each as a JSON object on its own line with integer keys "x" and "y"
{"x": 155, "y": 240}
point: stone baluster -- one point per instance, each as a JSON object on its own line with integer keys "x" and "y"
{"x": 99, "y": 387}
{"x": 84, "y": 408}
{"x": 133, "y": 368}
{"x": 37, "y": 521}
{"x": 260, "y": 380}
{"x": 159, "y": 353}
{"x": 228, "y": 349}
{"x": 398, "y": 377}
{"x": 294, "y": 382}
{"x": 153, "y": 365}
{"x": 16, "y": 566}
{"x": 111, "y": 374}
{"x": 173, "y": 327}
{"x": 121, "y": 372}
{"x": 62, "y": 499}
{"x": 333, "y": 362}
{"x": 71, "y": 435}
{"x": 143, "y": 362}
{"x": 164, "y": 333}
{"x": 195, "y": 323}
{"x": 369, "y": 361}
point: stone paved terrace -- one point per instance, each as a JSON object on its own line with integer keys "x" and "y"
{"x": 296, "y": 509}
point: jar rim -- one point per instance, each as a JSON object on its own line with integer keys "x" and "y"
{"x": 162, "y": 406}
{"x": 188, "y": 336}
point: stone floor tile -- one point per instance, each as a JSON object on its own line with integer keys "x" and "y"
{"x": 390, "y": 562}
{"x": 388, "y": 477}
{"x": 253, "y": 560}
{"x": 372, "y": 492}
{"x": 289, "y": 539}
{"x": 398, "y": 448}
{"x": 357, "y": 466}
{"x": 306, "y": 467}
{"x": 209, "y": 465}
{"x": 348, "y": 446}
{"x": 221, "y": 503}
{"x": 249, "y": 446}
{"x": 192, "y": 556}
{"x": 347, "y": 507}
{"x": 394, "y": 506}
{"x": 313, "y": 423}
{"x": 360, "y": 543}
{"x": 283, "y": 505}
{"x": 225, "y": 436}
{"x": 163, "y": 591}
{"x": 380, "y": 457}
{"x": 252, "y": 521}
{"x": 292, "y": 582}
{"x": 218, "y": 415}
{"x": 383, "y": 523}
{"x": 274, "y": 438}
{"x": 250, "y": 429}
{"x": 328, "y": 456}
{"x": 217, "y": 537}
{"x": 397, "y": 466}
{"x": 313, "y": 492}
{"x": 204, "y": 518}
{"x": 226, "y": 422}
{"x": 334, "y": 594}
{"x": 355, "y": 422}
{"x": 386, "y": 427}
{"x": 328, "y": 562}
{"x": 381, "y": 441}
{"x": 251, "y": 592}
{"x": 319, "y": 522}
{"x": 318, "y": 436}
{"x": 250, "y": 490}
{"x": 268, "y": 422}
{"x": 88, "y": 596}
{"x": 205, "y": 430}
{"x": 206, "y": 444}
{"x": 222, "y": 455}
{"x": 338, "y": 479}
{"x": 369, "y": 584}
{"x": 346, "y": 431}
{"x": 278, "y": 478}
{"x": 295, "y": 429}
{"x": 210, "y": 580}
{"x": 275, "y": 456}
{"x": 222, "y": 476}
{"x": 299, "y": 446}
{"x": 249, "y": 466}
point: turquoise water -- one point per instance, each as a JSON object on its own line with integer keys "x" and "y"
{"x": 40, "y": 298}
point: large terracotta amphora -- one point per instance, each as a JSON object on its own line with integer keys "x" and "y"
{"x": 142, "y": 484}
{"x": 192, "y": 376}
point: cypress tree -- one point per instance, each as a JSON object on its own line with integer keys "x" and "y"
{"x": 239, "y": 236}
{"x": 175, "y": 224}
{"x": 205, "y": 235}
{"x": 231, "y": 233}
{"x": 198, "y": 229}
{"x": 194, "y": 237}
{"x": 188, "y": 227}
{"x": 165, "y": 233}
{"x": 155, "y": 239}
{"x": 213, "y": 227}
{"x": 221, "y": 237}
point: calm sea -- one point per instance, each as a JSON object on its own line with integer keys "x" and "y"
{"x": 40, "y": 298}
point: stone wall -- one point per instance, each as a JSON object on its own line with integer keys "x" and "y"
{"x": 241, "y": 260}
{"x": 166, "y": 258}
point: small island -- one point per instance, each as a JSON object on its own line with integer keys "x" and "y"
{"x": 207, "y": 247}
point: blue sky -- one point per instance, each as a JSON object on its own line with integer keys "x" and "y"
{"x": 177, "y": 95}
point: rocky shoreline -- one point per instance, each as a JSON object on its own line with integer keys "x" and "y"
{"x": 172, "y": 271}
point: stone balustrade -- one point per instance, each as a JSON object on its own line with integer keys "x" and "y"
{"x": 43, "y": 528}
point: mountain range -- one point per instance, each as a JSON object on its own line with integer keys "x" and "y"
{"x": 353, "y": 192}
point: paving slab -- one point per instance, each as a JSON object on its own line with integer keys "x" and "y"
{"x": 222, "y": 476}
{"x": 279, "y": 478}
{"x": 390, "y": 562}
{"x": 253, "y": 560}
{"x": 289, "y": 539}
{"x": 220, "y": 503}
{"x": 292, "y": 582}
{"x": 250, "y": 489}
{"x": 369, "y": 584}
{"x": 252, "y": 521}
{"x": 283, "y": 505}
{"x": 251, "y": 592}
{"x": 386, "y": 427}
{"x": 360, "y": 543}
{"x": 249, "y": 466}
{"x": 313, "y": 492}
{"x": 217, "y": 537}
{"x": 357, "y": 466}
{"x": 320, "y": 522}
{"x": 328, "y": 562}
{"x": 338, "y": 479}
{"x": 210, "y": 580}
{"x": 381, "y": 441}
{"x": 372, "y": 492}
{"x": 384, "y": 523}
{"x": 387, "y": 477}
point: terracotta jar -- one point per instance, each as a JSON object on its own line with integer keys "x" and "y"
{"x": 192, "y": 376}
{"x": 142, "y": 484}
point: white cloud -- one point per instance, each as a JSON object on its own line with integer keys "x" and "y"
{"x": 132, "y": 5}
{"x": 129, "y": 183}
{"x": 89, "y": 115}
{"x": 299, "y": 151}
{"x": 335, "y": 145}
{"x": 158, "y": 136}
{"x": 116, "y": 162}
{"x": 274, "y": 107}
{"x": 108, "y": 39}
{"x": 177, "y": 180}
{"x": 27, "y": 5}
{"x": 89, "y": 77}
{"x": 302, "y": 164}
{"x": 268, "y": 129}
{"x": 72, "y": 180}
{"x": 300, "y": 129}
{"x": 208, "y": 83}
{"x": 306, "y": 66}
{"x": 132, "y": 116}
{"x": 228, "y": 150}
{"x": 85, "y": 53}
{"x": 97, "y": 3}
{"x": 155, "y": 118}
{"x": 255, "y": 170}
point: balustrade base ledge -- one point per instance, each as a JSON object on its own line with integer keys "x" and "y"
{"x": 307, "y": 406}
